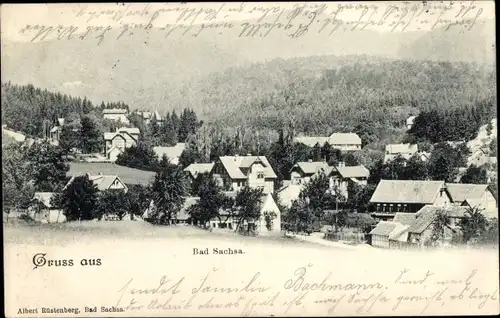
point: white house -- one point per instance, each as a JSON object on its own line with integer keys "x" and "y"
{"x": 302, "y": 172}
{"x": 404, "y": 150}
{"x": 342, "y": 141}
{"x": 268, "y": 210}
{"x": 173, "y": 153}
{"x": 474, "y": 195}
{"x": 117, "y": 142}
{"x": 341, "y": 175}
{"x": 104, "y": 182}
{"x": 289, "y": 193}
{"x": 410, "y": 121}
{"x": 234, "y": 172}
{"x": 47, "y": 213}
{"x": 117, "y": 114}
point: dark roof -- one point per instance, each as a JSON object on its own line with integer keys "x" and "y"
{"x": 406, "y": 191}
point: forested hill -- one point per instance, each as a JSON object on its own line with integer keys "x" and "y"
{"x": 328, "y": 93}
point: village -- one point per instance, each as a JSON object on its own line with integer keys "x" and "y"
{"x": 320, "y": 198}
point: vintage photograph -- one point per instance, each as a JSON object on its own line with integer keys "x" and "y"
{"x": 225, "y": 132}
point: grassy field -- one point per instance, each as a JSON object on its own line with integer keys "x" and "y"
{"x": 64, "y": 234}
{"x": 128, "y": 175}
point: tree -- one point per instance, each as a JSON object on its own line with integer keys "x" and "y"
{"x": 211, "y": 201}
{"x": 90, "y": 134}
{"x": 439, "y": 225}
{"x": 299, "y": 219}
{"x": 17, "y": 183}
{"x": 444, "y": 162}
{"x": 474, "y": 225}
{"x": 475, "y": 175}
{"x": 112, "y": 202}
{"x": 247, "y": 204}
{"x": 141, "y": 157}
{"x": 139, "y": 197}
{"x": 168, "y": 190}
{"x": 48, "y": 166}
{"x": 359, "y": 196}
{"x": 78, "y": 200}
{"x": 317, "y": 195}
{"x": 69, "y": 139}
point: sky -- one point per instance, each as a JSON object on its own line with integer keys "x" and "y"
{"x": 15, "y": 17}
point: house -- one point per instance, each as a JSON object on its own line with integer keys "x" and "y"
{"x": 117, "y": 114}
{"x": 481, "y": 156}
{"x": 45, "y": 211}
{"x": 392, "y": 151}
{"x": 262, "y": 226}
{"x": 415, "y": 229}
{"x": 342, "y": 141}
{"x": 311, "y": 141}
{"x": 173, "y": 153}
{"x": 194, "y": 169}
{"x": 117, "y": 142}
{"x": 341, "y": 175}
{"x": 234, "y": 172}
{"x": 146, "y": 116}
{"x": 421, "y": 229}
{"x": 391, "y": 196}
{"x": 55, "y": 132}
{"x": 289, "y": 193}
{"x": 129, "y": 176}
{"x": 17, "y": 136}
{"x": 104, "y": 182}
{"x": 381, "y": 233}
{"x": 472, "y": 195}
{"x": 301, "y": 172}
{"x": 410, "y": 121}
{"x": 345, "y": 141}
{"x": 180, "y": 217}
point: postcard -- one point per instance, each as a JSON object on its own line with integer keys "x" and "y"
{"x": 249, "y": 159}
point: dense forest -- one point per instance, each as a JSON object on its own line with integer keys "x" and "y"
{"x": 328, "y": 93}
{"x": 30, "y": 110}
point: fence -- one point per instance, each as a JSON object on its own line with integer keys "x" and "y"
{"x": 349, "y": 237}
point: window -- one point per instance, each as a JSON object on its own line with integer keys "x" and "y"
{"x": 260, "y": 175}
{"x": 213, "y": 225}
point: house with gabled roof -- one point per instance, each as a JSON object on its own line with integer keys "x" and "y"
{"x": 116, "y": 142}
{"x": 391, "y": 196}
{"x": 474, "y": 195}
{"x": 234, "y": 172}
{"x": 341, "y": 175}
{"x": 342, "y": 141}
{"x": 301, "y": 172}
{"x": 44, "y": 210}
{"x": 195, "y": 169}
{"x": 117, "y": 114}
{"x": 289, "y": 192}
{"x": 267, "y": 206}
{"x": 392, "y": 151}
{"x": 415, "y": 229}
{"x": 345, "y": 141}
{"x": 104, "y": 182}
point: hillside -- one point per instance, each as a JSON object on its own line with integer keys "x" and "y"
{"x": 326, "y": 93}
{"x": 148, "y": 70}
